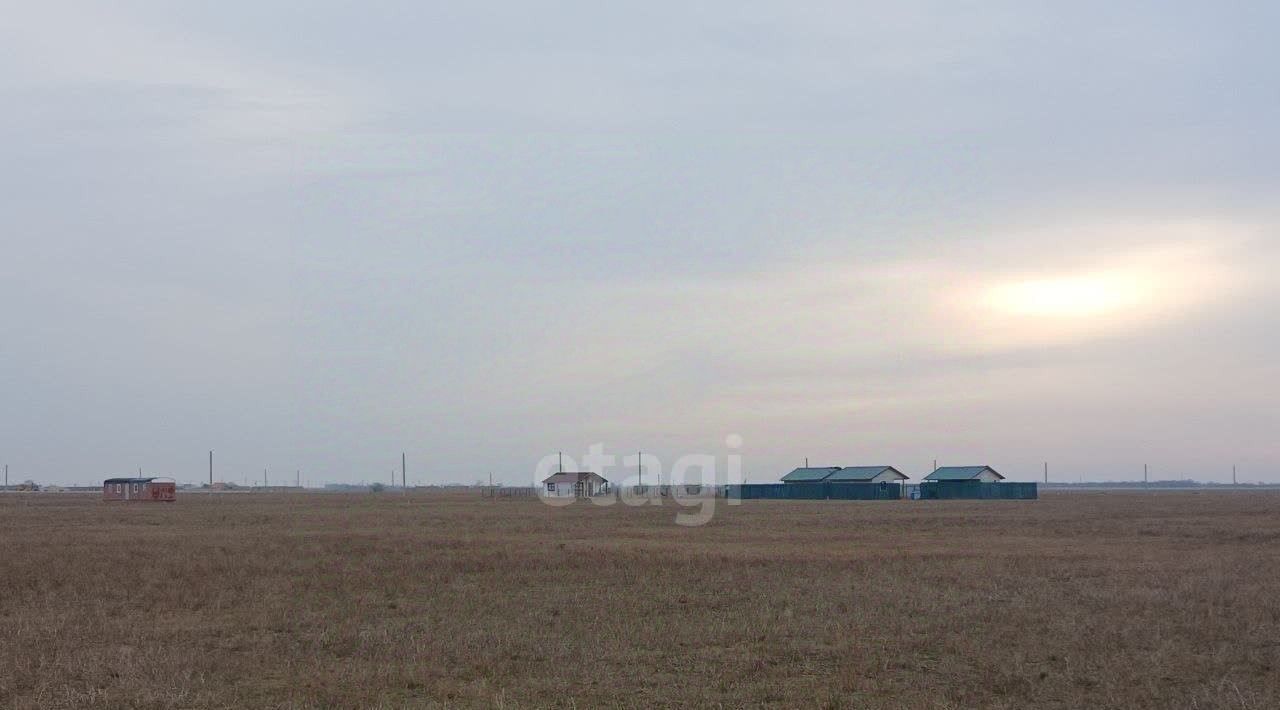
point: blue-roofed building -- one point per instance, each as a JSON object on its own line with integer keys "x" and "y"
{"x": 867, "y": 474}
{"x": 816, "y": 474}
{"x": 951, "y": 474}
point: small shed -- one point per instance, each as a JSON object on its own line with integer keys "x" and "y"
{"x": 576, "y": 484}
{"x": 867, "y": 474}
{"x": 816, "y": 474}
{"x": 955, "y": 474}
{"x": 140, "y": 489}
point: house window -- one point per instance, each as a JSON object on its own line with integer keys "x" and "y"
{"x": 118, "y": 489}
{"x": 551, "y": 488}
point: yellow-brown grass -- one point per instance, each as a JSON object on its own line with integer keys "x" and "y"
{"x": 315, "y": 600}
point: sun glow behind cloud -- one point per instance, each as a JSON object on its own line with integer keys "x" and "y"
{"x": 1182, "y": 268}
{"x": 1075, "y": 296}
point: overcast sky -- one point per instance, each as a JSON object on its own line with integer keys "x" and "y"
{"x": 313, "y": 235}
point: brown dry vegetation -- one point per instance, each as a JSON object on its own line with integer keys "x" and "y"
{"x": 316, "y": 600}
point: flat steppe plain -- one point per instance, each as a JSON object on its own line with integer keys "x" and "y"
{"x": 1078, "y": 600}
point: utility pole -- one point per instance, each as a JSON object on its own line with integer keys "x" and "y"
{"x": 561, "y": 462}
{"x": 264, "y": 478}
{"x": 935, "y": 464}
{"x": 1233, "y": 476}
{"x": 402, "y": 472}
{"x": 6, "y": 475}
{"x": 640, "y": 466}
{"x": 1144, "y": 474}
{"x": 297, "y": 479}
{"x": 1046, "y": 471}
{"x": 211, "y": 470}
{"x": 806, "y": 462}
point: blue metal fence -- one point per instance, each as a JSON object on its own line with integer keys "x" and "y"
{"x": 816, "y": 491}
{"x": 928, "y": 490}
{"x": 864, "y": 491}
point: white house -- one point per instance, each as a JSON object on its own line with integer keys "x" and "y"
{"x": 579, "y": 484}
{"x": 984, "y": 474}
{"x": 867, "y": 474}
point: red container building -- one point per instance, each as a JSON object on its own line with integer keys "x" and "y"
{"x": 141, "y": 489}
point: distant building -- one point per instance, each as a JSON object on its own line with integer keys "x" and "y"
{"x": 140, "y": 489}
{"x": 816, "y": 474}
{"x": 867, "y": 474}
{"x": 845, "y": 474}
{"x": 953, "y": 474}
{"x": 578, "y": 484}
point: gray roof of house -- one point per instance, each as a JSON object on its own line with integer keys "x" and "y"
{"x": 959, "y": 473}
{"x": 574, "y": 477}
{"x": 128, "y": 480}
{"x": 810, "y": 475}
{"x": 863, "y": 473}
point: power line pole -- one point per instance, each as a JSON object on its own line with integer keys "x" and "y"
{"x": 6, "y": 475}
{"x": 264, "y": 478}
{"x": 402, "y": 471}
{"x": 1233, "y": 475}
{"x": 640, "y": 466}
{"x": 210, "y": 470}
{"x": 1144, "y": 474}
{"x": 1046, "y": 471}
{"x": 297, "y": 479}
{"x": 561, "y": 462}
{"x": 806, "y": 462}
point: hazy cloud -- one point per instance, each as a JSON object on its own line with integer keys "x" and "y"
{"x": 313, "y": 237}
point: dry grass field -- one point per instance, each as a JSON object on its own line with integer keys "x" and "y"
{"x": 1134, "y": 600}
